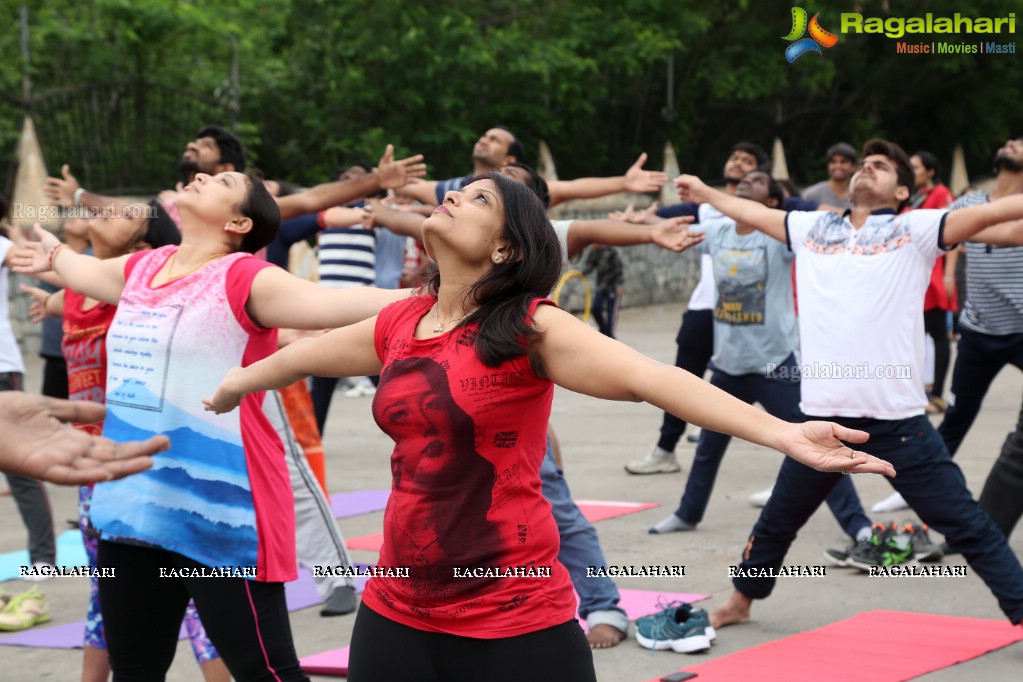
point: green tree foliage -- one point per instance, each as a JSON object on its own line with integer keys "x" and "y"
{"x": 325, "y": 82}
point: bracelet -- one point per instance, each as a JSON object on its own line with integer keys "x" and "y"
{"x": 53, "y": 254}
{"x": 78, "y": 196}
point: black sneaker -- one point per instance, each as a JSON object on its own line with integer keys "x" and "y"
{"x": 896, "y": 547}
{"x": 840, "y": 557}
{"x": 923, "y": 547}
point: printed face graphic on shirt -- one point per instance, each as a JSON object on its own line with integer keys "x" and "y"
{"x": 443, "y": 486}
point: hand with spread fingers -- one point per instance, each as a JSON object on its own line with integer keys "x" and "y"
{"x": 673, "y": 234}
{"x": 822, "y": 446}
{"x": 38, "y": 445}
{"x": 639, "y": 180}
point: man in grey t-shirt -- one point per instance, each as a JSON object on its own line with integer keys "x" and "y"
{"x": 835, "y": 190}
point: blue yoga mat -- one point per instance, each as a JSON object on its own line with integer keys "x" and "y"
{"x": 70, "y": 552}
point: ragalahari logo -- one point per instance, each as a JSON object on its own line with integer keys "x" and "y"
{"x": 818, "y": 36}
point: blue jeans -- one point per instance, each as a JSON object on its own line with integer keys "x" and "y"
{"x": 780, "y": 397}
{"x": 932, "y": 485}
{"x": 580, "y": 548}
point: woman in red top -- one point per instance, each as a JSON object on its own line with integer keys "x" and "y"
{"x": 940, "y": 298}
{"x": 467, "y": 373}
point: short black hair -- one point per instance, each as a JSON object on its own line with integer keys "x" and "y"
{"x": 537, "y": 183}
{"x": 231, "y": 149}
{"x": 260, "y": 207}
{"x": 774, "y": 188}
{"x": 161, "y": 229}
{"x": 931, "y": 163}
{"x": 903, "y": 168}
{"x": 515, "y": 147}
{"x": 756, "y": 151}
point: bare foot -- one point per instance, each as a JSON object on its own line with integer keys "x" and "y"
{"x": 735, "y": 611}
{"x": 604, "y": 636}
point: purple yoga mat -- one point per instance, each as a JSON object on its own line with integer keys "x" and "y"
{"x": 300, "y": 594}
{"x": 358, "y": 502}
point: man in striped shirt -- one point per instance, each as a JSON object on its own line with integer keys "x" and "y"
{"x": 991, "y": 322}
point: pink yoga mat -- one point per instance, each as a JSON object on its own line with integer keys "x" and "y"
{"x": 879, "y": 646}
{"x": 598, "y": 510}
{"x": 593, "y": 510}
{"x": 639, "y": 603}
{"x": 358, "y": 502}
{"x": 333, "y": 663}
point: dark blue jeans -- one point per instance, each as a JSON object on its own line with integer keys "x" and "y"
{"x": 780, "y": 397}
{"x": 605, "y": 311}
{"x": 932, "y": 485}
{"x": 979, "y": 358}
{"x": 695, "y": 346}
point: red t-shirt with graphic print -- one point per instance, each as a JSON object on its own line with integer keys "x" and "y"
{"x": 84, "y": 347}
{"x": 466, "y": 514}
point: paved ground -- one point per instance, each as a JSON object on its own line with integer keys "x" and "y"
{"x": 597, "y": 439}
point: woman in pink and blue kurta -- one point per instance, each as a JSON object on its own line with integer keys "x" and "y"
{"x": 219, "y": 501}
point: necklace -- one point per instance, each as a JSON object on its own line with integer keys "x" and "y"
{"x": 174, "y": 260}
{"x": 440, "y": 325}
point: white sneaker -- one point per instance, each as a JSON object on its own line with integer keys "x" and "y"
{"x": 43, "y": 572}
{"x": 363, "y": 388}
{"x": 893, "y": 502}
{"x": 694, "y": 435}
{"x": 657, "y": 461}
{"x": 760, "y": 499}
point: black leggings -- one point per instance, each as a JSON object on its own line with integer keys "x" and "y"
{"x": 247, "y": 621}
{"x": 386, "y": 651}
{"x": 936, "y": 326}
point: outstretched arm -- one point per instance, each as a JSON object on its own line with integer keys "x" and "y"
{"x": 67, "y": 192}
{"x": 44, "y": 303}
{"x": 581, "y": 359}
{"x": 36, "y": 444}
{"x": 672, "y": 234}
{"x": 963, "y": 224}
{"x": 99, "y": 279}
{"x": 339, "y": 353}
{"x": 387, "y": 175}
{"x": 279, "y": 299}
{"x": 424, "y": 191}
{"x": 635, "y": 180}
{"x": 770, "y": 221}
{"x": 1003, "y": 234}
{"x": 405, "y": 223}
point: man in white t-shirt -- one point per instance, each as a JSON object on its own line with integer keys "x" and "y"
{"x": 862, "y": 279}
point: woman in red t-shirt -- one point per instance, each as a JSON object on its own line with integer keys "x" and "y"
{"x": 940, "y": 298}
{"x": 467, "y": 373}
